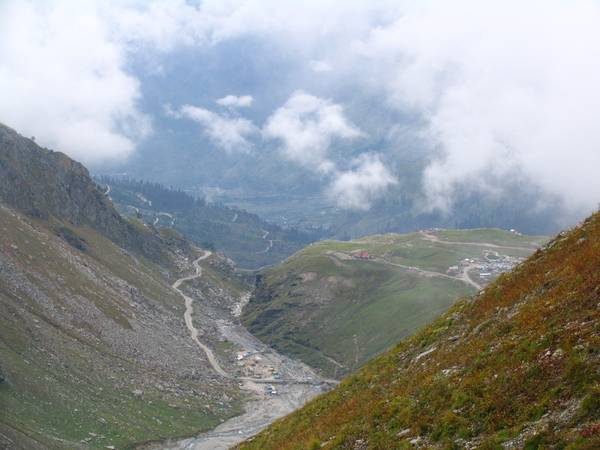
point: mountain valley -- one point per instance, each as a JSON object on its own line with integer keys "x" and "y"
{"x": 319, "y": 225}
{"x": 116, "y": 332}
{"x": 243, "y": 237}
{"x": 93, "y": 348}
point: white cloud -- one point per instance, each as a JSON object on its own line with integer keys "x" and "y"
{"x": 66, "y": 84}
{"x": 306, "y": 126}
{"x": 232, "y": 101}
{"x": 357, "y": 188}
{"x": 508, "y": 88}
{"x": 158, "y": 25}
{"x": 503, "y": 86}
{"x": 228, "y": 133}
{"x": 321, "y": 66}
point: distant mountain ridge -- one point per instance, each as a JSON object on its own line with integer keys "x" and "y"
{"x": 282, "y": 194}
{"x": 242, "y": 236}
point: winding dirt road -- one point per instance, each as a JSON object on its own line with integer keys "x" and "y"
{"x": 189, "y": 310}
{"x": 464, "y": 277}
{"x": 189, "y": 321}
{"x": 299, "y": 385}
{"x": 269, "y": 245}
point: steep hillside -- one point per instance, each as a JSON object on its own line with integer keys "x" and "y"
{"x": 513, "y": 367}
{"x": 94, "y": 351}
{"x": 243, "y": 237}
{"x": 336, "y": 311}
{"x": 48, "y": 185}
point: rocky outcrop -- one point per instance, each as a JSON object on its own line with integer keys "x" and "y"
{"x": 44, "y": 184}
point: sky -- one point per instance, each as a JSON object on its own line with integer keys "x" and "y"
{"x": 500, "y": 90}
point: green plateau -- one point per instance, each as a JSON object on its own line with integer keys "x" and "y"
{"x": 335, "y": 305}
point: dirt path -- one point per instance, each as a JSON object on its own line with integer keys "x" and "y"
{"x": 433, "y": 238}
{"x": 189, "y": 321}
{"x": 298, "y": 384}
{"x": 248, "y": 341}
{"x": 269, "y": 245}
{"x": 465, "y": 278}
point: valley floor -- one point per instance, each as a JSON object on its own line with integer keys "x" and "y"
{"x": 260, "y": 412}
{"x": 297, "y": 385}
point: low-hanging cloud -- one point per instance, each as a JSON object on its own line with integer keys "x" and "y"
{"x": 306, "y": 126}
{"x": 67, "y": 84}
{"x": 65, "y": 69}
{"x": 356, "y": 188}
{"x": 320, "y": 66}
{"x": 507, "y": 88}
{"x": 499, "y": 87}
{"x": 229, "y": 133}
{"x": 232, "y": 101}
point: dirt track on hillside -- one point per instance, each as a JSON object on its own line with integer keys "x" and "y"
{"x": 299, "y": 383}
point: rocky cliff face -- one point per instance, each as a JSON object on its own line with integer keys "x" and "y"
{"x": 44, "y": 183}
{"x": 48, "y": 185}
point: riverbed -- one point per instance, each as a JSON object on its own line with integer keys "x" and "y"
{"x": 295, "y": 383}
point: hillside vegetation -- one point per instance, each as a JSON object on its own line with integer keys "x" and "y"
{"x": 243, "y": 237}
{"x": 94, "y": 351}
{"x": 514, "y": 367}
{"x": 336, "y": 311}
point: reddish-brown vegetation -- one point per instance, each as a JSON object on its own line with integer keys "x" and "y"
{"x": 513, "y": 367}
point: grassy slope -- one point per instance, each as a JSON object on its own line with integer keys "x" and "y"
{"x": 515, "y": 366}
{"x": 63, "y": 377}
{"x": 336, "y": 312}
